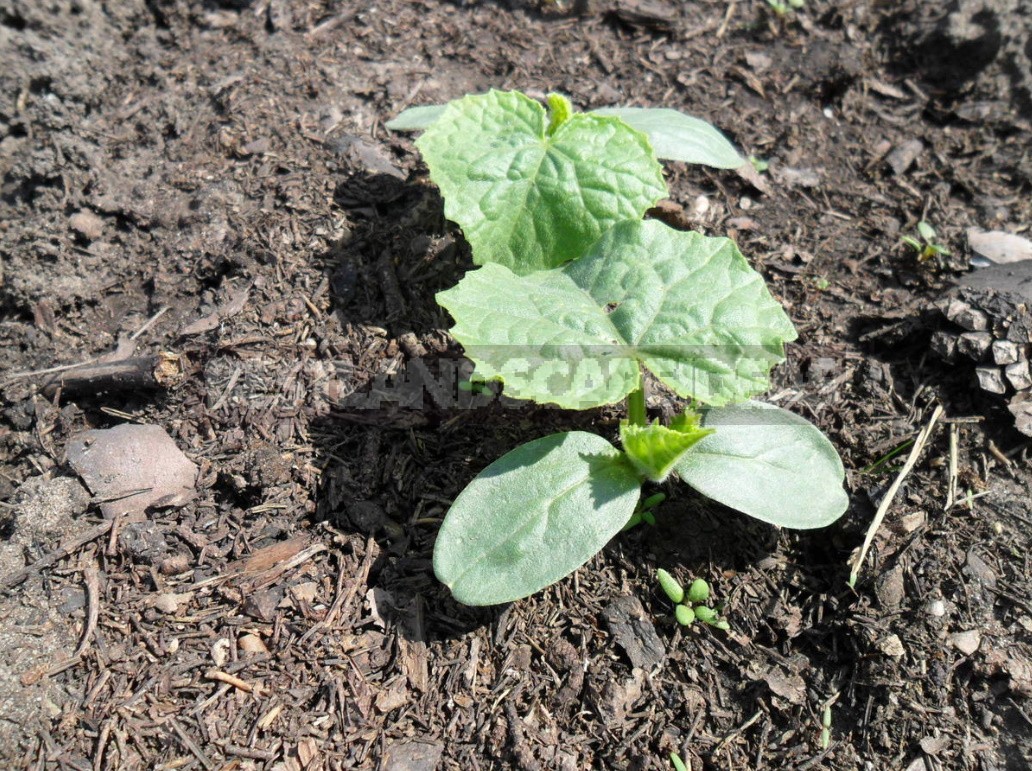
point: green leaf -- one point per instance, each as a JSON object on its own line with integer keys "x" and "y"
{"x": 542, "y": 335}
{"x": 685, "y": 616}
{"x": 688, "y": 307}
{"x": 770, "y": 464}
{"x": 927, "y": 231}
{"x": 679, "y": 137}
{"x": 698, "y": 591}
{"x": 670, "y": 585}
{"x": 416, "y": 118}
{"x": 533, "y": 516}
{"x": 529, "y": 200}
{"x": 655, "y": 449}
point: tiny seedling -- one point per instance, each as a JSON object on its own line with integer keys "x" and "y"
{"x": 678, "y": 764}
{"x": 576, "y": 298}
{"x": 690, "y": 605}
{"x": 785, "y": 7}
{"x": 926, "y": 245}
{"x": 759, "y": 164}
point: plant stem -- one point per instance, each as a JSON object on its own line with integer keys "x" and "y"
{"x": 636, "y": 413}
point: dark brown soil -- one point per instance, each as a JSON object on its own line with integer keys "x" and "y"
{"x": 212, "y": 180}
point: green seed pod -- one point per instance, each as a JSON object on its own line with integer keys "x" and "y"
{"x": 671, "y": 587}
{"x": 685, "y": 616}
{"x": 707, "y": 615}
{"x": 698, "y": 591}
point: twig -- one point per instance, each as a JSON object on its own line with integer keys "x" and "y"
{"x": 62, "y": 551}
{"x": 236, "y": 682}
{"x": 722, "y": 29}
{"x": 91, "y": 577}
{"x": 883, "y": 507}
{"x": 343, "y": 598}
{"x": 737, "y": 732}
{"x": 149, "y": 323}
{"x": 228, "y": 389}
{"x": 951, "y": 491}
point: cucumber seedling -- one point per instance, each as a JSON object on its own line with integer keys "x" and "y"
{"x": 577, "y": 297}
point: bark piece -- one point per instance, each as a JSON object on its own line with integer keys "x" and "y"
{"x": 635, "y": 633}
{"x": 132, "y": 467}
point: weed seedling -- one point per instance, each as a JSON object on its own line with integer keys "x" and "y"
{"x": 690, "y": 605}
{"x": 785, "y": 7}
{"x": 576, "y": 298}
{"x": 677, "y": 762}
{"x": 925, "y": 245}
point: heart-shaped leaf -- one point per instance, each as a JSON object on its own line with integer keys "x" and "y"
{"x": 768, "y": 463}
{"x": 688, "y": 307}
{"x": 533, "y": 516}
{"x": 679, "y": 137}
{"x": 530, "y": 194}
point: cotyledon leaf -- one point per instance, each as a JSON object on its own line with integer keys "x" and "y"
{"x": 416, "y": 118}
{"x": 688, "y": 307}
{"x": 530, "y": 194}
{"x": 674, "y": 135}
{"x": 768, "y": 463}
{"x": 533, "y": 516}
{"x": 679, "y": 137}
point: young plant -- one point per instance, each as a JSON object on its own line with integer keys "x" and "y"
{"x": 577, "y": 299}
{"x": 785, "y": 7}
{"x": 690, "y": 605}
{"x": 926, "y": 247}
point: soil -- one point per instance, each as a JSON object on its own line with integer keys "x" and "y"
{"x": 211, "y": 182}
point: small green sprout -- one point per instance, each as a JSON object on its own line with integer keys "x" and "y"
{"x": 759, "y": 164}
{"x": 678, "y": 763}
{"x": 698, "y": 591}
{"x": 785, "y": 7}
{"x": 926, "y": 247}
{"x": 826, "y": 727}
{"x": 670, "y": 586}
{"x": 689, "y": 605}
{"x": 685, "y": 615}
{"x": 644, "y": 512}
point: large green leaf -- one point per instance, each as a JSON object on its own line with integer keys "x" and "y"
{"x": 530, "y": 195}
{"x": 542, "y": 335}
{"x": 655, "y": 449}
{"x": 688, "y": 307}
{"x": 679, "y": 137}
{"x": 768, "y": 463}
{"x": 533, "y": 516}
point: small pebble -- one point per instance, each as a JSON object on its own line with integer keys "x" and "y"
{"x": 936, "y": 608}
{"x": 966, "y": 642}
{"x": 252, "y": 643}
{"x": 167, "y": 603}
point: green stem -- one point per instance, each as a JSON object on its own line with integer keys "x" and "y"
{"x": 636, "y": 413}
